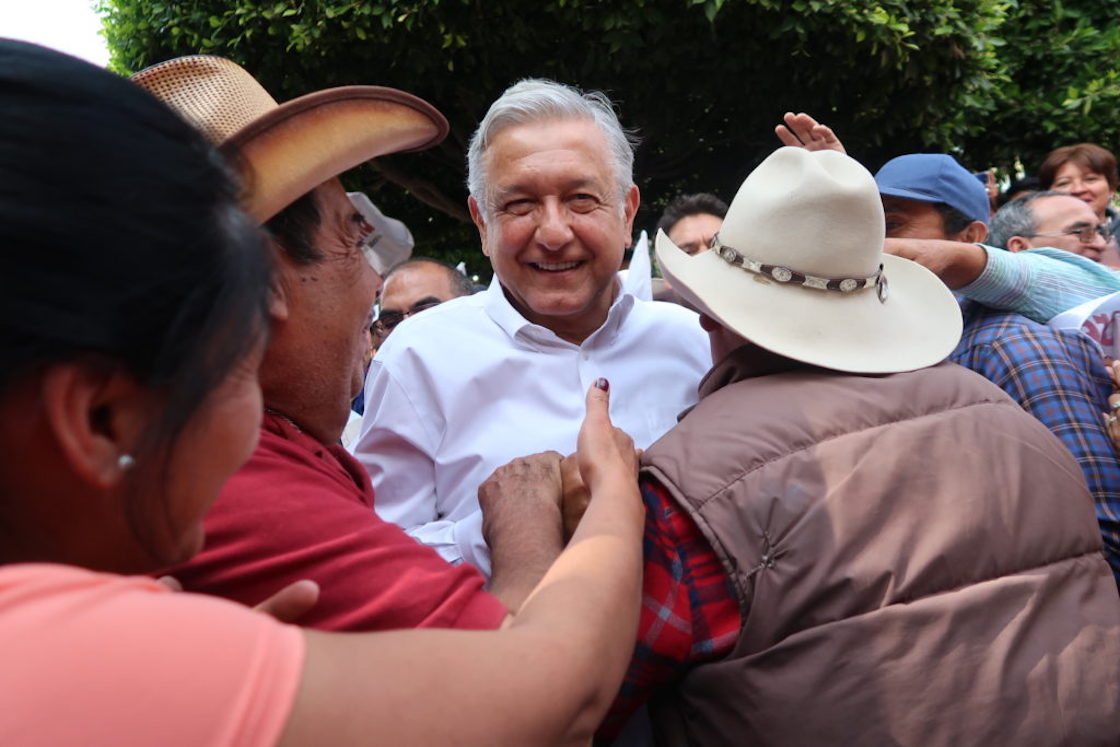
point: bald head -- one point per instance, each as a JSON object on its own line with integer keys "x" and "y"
{"x": 415, "y": 285}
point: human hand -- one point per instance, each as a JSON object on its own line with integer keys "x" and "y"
{"x": 521, "y": 523}
{"x": 527, "y": 489}
{"x": 576, "y": 496}
{"x": 802, "y": 131}
{"x": 292, "y": 602}
{"x": 287, "y": 605}
{"x": 1112, "y": 417}
{"x": 603, "y": 451}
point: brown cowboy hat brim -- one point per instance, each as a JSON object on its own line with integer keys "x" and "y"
{"x": 304, "y": 142}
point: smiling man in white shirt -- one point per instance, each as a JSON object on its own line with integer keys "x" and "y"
{"x": 463, "y": 388}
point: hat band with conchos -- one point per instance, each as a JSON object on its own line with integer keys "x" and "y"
{"x": 781, "y": 274}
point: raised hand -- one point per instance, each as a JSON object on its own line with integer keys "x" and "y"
{"x": 802, "y": 131}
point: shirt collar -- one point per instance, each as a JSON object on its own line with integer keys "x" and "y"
{"x": 519, "y": 328}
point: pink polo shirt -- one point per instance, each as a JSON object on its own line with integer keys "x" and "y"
{"x": 92, "y": 658}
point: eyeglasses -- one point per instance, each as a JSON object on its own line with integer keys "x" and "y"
{"x": 1086, "y": 233}
{"x": 388, "y": 320}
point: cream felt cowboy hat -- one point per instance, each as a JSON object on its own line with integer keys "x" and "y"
{"x": 798, "y": 268}
{"x": 285, "y": 150}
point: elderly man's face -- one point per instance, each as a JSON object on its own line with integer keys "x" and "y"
{"x": 1059, "y": 221}
{"x": 314, "y": 364}
{"x": 556, "y": 226}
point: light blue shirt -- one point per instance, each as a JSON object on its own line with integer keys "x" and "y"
{"x": 1040, "y": 283}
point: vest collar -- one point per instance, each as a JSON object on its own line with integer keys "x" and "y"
{"x": 746, "y": 362}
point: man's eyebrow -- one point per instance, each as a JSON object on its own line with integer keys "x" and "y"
{"x": 427, "y": 299}
{"x": 577, "y": 183}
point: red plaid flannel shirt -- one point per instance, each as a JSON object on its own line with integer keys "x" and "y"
{"x": 689, "y": 610}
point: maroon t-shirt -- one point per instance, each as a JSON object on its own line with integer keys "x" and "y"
{"x": 298, "y": 509}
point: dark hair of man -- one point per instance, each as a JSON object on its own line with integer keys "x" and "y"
{"x": 1016, "y": 218}
{"x": 953, "y": 221}
{"x": 459, "y": 283}
{"x": 682, "y": 206}
{"x": 123, "y": 247}
{"x": 1089, "y": 156}
{"x": 293, "y": 228}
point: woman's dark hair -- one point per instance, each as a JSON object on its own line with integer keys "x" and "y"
{"x": 122, "y": 242}
{"x": 1088, "y": 156}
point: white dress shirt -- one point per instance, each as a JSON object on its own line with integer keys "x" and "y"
{"x": 462, "y": 388}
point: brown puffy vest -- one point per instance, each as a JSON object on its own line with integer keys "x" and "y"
{"x": 916, "y": 559}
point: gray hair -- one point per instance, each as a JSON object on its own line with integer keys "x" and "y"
{"x": 538, "y": 99}
{"x": 1016, "y": 218}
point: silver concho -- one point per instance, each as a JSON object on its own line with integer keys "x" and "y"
{"x": 881, "y": 287}
{"x": 782, "y": 274}
{"x": 847, "y": 285}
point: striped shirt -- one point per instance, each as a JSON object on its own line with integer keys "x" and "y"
{"x": 1040, "y": 283}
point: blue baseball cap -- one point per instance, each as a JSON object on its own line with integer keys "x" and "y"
{"x": 934, "y": 177}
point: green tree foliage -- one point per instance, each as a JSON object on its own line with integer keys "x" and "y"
{"x": 1061, "y": 83}
{"x": 702, "y": 81}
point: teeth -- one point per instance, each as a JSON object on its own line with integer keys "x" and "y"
{"x": 557, "y": 267}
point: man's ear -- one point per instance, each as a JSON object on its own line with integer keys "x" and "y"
{"x": 479, "y": 222}
{"x": 96, "y": 415}
{"x": 707, "y": 323}
{"x": 632, "y": 199}
{"x": 974, "y": 233}
{"x": 278, "y": 291}
{"x": 1017, "y": 244}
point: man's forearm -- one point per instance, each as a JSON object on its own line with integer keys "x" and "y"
{"x": 522, "y": 549}
{"x": 957, "y": 263}
{"x": 521, "y": 523}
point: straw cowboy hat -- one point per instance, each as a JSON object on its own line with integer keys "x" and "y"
{"x": 798, "y": 268}
{"x": 283, "y": 151}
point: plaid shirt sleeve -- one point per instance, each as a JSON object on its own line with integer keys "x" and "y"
{"x": 1058, "y": 377}
{"x": 689, "y": 610}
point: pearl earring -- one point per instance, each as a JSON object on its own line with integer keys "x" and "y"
{"x": 125, "y": 462}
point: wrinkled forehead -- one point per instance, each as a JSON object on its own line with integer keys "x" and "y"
{"x": 1061, "y": 211}
{"x": 519, "y": 142}
{"x": 415, "y": 283}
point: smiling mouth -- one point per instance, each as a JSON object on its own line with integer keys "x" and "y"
{"x": 555, "y": 266}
